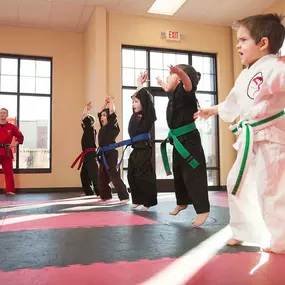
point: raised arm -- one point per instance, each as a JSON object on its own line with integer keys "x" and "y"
{"x": 86, "y": 110}
{"x": 111, "y": 105}
{"x": 187, "y": 84}
{"x": 162, "y": 84}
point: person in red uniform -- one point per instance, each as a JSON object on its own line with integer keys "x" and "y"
{"x": 7, "y": 132}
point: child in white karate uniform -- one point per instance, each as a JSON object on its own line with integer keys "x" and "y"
{"x": 256, "y": 182}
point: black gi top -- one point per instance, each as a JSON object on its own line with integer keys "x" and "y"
{"x": 107, "y": 134}
{"x": 181, "y": 107}
{"x": 89, "y": 134}
{"x": 142, "y": 122}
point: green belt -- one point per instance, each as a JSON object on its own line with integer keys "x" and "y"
{"x": 173, "y": 134}
{"x": 248, "y": 140}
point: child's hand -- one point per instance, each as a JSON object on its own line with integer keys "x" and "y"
{"x": 89, "y": 105}
{"x": 142, "y": 78}
{"x": 159, "y": 81}
{"x": 108, "y": 100}
{"x": 281, "y": 58}
{"x": 175, "y": 70}
{"x": 204, "y": 113}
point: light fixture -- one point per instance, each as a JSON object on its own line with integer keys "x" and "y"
{"x": 166, "y": 7}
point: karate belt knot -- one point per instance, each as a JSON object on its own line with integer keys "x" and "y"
{"x": 174, "y": 134}
{"x": 245, "y": 130}
{"x": 80, "y": 157}
{"x": 126, "y": 143}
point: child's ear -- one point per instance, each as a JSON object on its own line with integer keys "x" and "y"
{"x": 264, "y": 44}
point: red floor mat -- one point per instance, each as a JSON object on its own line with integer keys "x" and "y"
{"x": 73, "y": 220}
{"x": 120, "y": 273}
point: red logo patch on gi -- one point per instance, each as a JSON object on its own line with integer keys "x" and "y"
{"x": 254, "y": 85}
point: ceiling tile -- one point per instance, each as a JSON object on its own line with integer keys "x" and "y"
{"x": 9, "y": 10}
{"x": 65, "y": 14}
{"x": 34, "y": 11}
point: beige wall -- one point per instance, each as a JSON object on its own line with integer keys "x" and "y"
{"x": 142, "y": 31}
{"x": 67, "y": 52}
{"x": 278, "y": 7}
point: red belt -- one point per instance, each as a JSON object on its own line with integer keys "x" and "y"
{"x": 81, "y": 157}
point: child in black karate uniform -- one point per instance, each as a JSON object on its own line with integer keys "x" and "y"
{"x": 141, "y": 174}
{"x": 107, "y": 135}
{"x": 89, "y": 170}
{"x": 190, "y": 183}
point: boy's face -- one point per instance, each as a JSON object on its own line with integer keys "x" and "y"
{"x": 137, "y": 104}
{"x": 103, "y": 119}
{"x": 248, "y": 50}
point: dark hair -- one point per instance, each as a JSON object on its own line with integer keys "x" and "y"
{"x": 265, "y": 25}
{"x": 5, "y": 110}
{"x": 194, "y": 75}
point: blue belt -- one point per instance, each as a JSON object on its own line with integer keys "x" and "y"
{"x": 102, "y": 149}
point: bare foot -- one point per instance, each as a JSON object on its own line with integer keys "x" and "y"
{"x": 266, "y": 249}
{"x": 126, "y": 201}
{"x": 177, "y": 209}
{"x": 200, "y": 219}
{"x": 135, "y": 206}
{"x": 144, "y": 208}
{"x": 232, "y": 242}
{"x": 10, "y": 193}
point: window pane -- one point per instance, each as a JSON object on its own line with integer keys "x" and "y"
{"x": 10, "y": 103}
{"x": 153, "y": 74}
{"x": 43, "y": 85}
{"x": 206, "y": 83}
{"x": 208, "y": 65}
{"x": 208, "y": 131}
{"x": 43, "y": 68}
{"x": 9, "y": 66}
{"x": 159, "y": 168}
{"x": 197, "y": 63}
{"x": 203, "y": 64}
{"x": 168, "y": 59}
{"x": 161, "y": 128}
{"x": 182, "y": 59}
{"x": 213, "y": 177}
{"x": 128, "y": 77}
{"x": 156, "y": 61}
{"x": 128, "y": 58}
{"x": 8, "y": 83}
{"x": 140, "y": 59}
{"x": 27, "y": 84}
{"x": 27, "y": 67}
{"x": 35, "y": 125}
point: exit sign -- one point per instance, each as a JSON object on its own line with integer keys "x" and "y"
{"x": 173, "y": 36}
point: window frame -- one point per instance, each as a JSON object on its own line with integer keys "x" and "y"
{"x": 19, "y": 57}
{"x": 214, "y": 93}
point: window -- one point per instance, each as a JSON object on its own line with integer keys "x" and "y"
{"x": 26, "y": 91}
{"x": 156, "y": 62}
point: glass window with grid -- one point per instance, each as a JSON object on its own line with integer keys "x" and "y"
{"x": 26, "y": 91}
{"x": 157, "y": 63}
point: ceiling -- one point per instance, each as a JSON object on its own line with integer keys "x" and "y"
{"x": 73, "y": 15}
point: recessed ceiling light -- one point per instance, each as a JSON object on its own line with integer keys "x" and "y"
{"x": 166, "y": 7}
